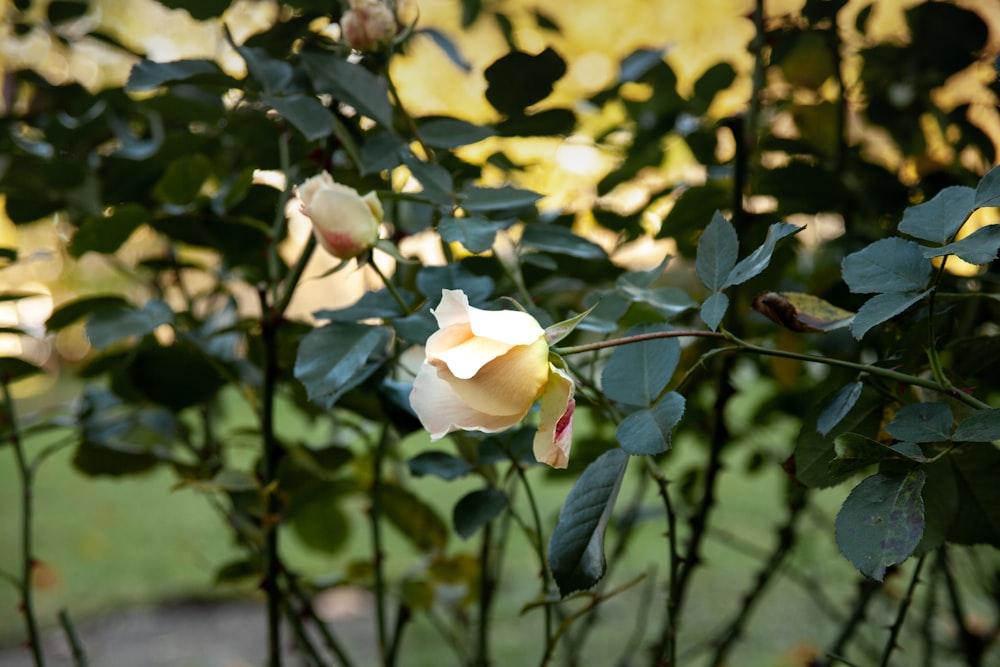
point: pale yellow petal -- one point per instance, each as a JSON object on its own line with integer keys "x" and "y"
{"x": 555, "y": 428}
{"x": 509, "y": 384}
{"x": 442, "y": 411}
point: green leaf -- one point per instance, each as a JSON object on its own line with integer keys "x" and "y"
{"x": 758, "y": 260}
{"x": 13, "y": 369}
{"x": 882, "y": 521}
{"x": 474, "y": 233}
{"x": 110, "y": 325}
{"x": 544, "y": 123}
{"x": 439, "y": 464}
{"x": 380, "y": 304}
{"x": 714, "y": 309}
{"x": 351, "y": 83}
{"x": 561, "y": 241}
{"x": 649, "y": 431}
{"x": 178, "y": 376}
{"x": 432, "y": 279}
{"x": 444, "y": 132}
{"x": 305, "y": 113}
{"x": 335, "y": 358}
{"x": 105, "y": 234}
{"x": 182, "y": 181}
{"x": 415, "y": 519}
{"x": 75, "y": 310}
{"x": 146, "y": 74}
{"x": 718, "y": 249}
{"x": 636, "y": 373}
{"x": 979, "y": 247}
{"x": 474, "y": 198}
{"x": 518, "y": 80}
{"x": 980, "y": 426}
{"x": 814, "y": 453}
{"x": 272, "y": 74}
{"x": 977, "y": 518}
{"x": 559, "y": 330}
{"x": 576, "y": 548}
{"x": 889, "y": 265}
{"x": 922, "y": 422}
{"x": 856, "y": 452}
{"x": 59, "y": 11}
{"x": 988, "y": 191}
{"x": 320, "y": 522}
{"x": 837, "y": 407}
{"x": 692, "y": 207}
{"x": 241, "y": 241}
{"x": 939, "y": 218}
{"x": 201, "y": 10}
{"x": 435, "y": 179}
{"x": 667, "y": 301}
{"x": 882, "y": 307}
{"x": 476, "y": 509}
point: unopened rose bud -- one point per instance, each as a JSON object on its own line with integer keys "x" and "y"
{"x": 345, "y": 223}
{"x": 368, "y": 25}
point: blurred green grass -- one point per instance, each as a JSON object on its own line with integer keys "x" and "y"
{"x": 111, "y": 543}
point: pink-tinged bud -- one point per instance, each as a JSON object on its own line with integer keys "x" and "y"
{"x": 346, "y": 224}
{"x": 369, "y": 25}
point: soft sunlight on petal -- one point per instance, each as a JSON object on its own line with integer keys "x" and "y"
{"x": 441, "y": 411}
{"x": 507, "y": 385}
{"x": 466, "y": 359}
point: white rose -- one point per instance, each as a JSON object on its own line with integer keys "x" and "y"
{"x": 345, "y": 223}
{"x": 368, "y": 25}
{"x": 483, "y": 371}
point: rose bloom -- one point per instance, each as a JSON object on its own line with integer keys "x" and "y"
{"x": 484, "y": 370}
{"x": 368, "y": 25}
{"x": 345, "y": 223}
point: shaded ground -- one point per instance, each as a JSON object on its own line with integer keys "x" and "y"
{"x": 198, "y": 633}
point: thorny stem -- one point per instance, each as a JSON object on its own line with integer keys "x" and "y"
{"x": 669, "y": 642}
{"x": 904, "y": 606}
{"x": 539, "y": 544}
{"x": 375, "y": 520}
{"x": 866, "y": 590}
{"x": 971, "y": 646}
{"x": 26, "y": 475}
{"x": 311, "y": 656}
{"x": 486, "y": 585}
{"x": 79, "y": 656}
{"x": 699, "y": 520}
{"x": 306, "y": 605}
{"x": 397, "y": 297}
{"x": 743, "y": 346}
{"x": 769, "y": 570}
{"x": 294, "y": 275}
{"x": 271, "y": 457}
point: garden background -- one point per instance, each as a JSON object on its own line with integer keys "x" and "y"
{"x": 203, "y": 405}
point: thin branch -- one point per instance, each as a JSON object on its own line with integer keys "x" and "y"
{"x": 26, "y": 477}
{"x": 904, "y": 606}
{"x": 79, "y": 656}
{"x": 772, "y": 566}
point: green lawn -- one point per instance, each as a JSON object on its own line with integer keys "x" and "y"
{"x": 110, "y": 543}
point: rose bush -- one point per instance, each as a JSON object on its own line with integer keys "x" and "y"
{"x": 368, "y": 25}
{"x": 483, "y": 371}
{"x": 346, "y": 224}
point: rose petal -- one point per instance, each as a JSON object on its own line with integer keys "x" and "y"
{"x": 508, "y": 385}
{"x": 506, "y": 326}
{"x": 442, "y": 411}
{"x": 453, "y": 309}
{"x": 555, "y": 428}
{"x": 467, "y": 358}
